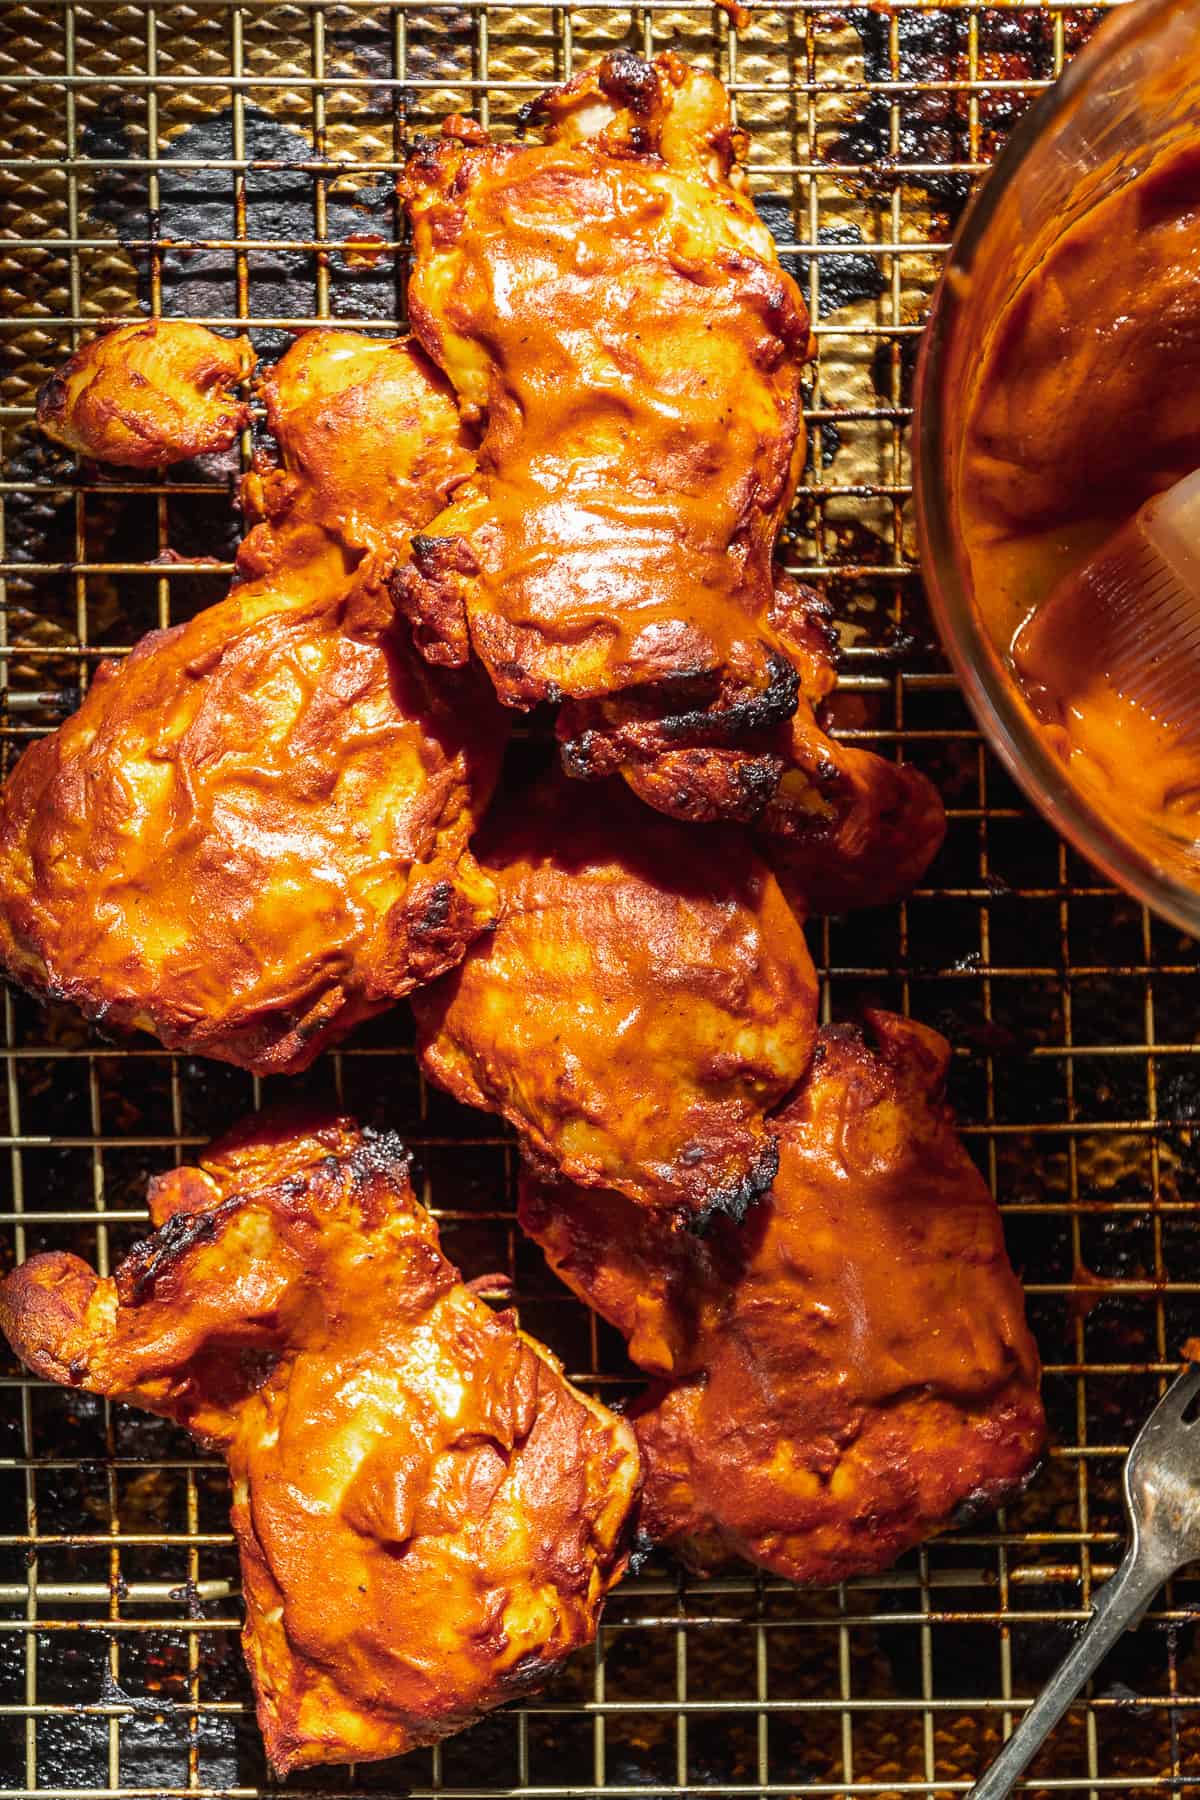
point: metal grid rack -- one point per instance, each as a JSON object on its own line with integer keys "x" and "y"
{"x": 236, "y": 163}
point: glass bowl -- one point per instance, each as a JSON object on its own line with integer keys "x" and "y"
{"x": 1130, "y": 98}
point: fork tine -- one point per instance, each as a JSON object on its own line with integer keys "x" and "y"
{"x": 1174, "y": 1402}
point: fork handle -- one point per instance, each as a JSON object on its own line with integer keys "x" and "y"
{"x": 1118, "y": 1605}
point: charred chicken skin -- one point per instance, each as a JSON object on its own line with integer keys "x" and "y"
{"x": 149, "y": 394}
{"x": 851, "y": 1369}
{"x": 840, "y": 826}
{"x": 611, "y": 310}
{"x": 645, "y": 998}
{"x": 253, "y": 834}
{"x": 428, "y": 1514}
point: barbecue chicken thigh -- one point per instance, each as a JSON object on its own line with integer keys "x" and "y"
{"x": 253, "y": 834}
{"x": 850, "y": 1369}
{"x": 645, "y": 998}
{"x": 611, "y": 310}
{"x": 428, "y": 1514}
{"x": 148, "y": 394}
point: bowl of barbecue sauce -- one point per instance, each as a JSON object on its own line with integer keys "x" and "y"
{"x": 1058, "y": 394}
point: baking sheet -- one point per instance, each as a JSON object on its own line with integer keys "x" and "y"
{"x": 220, "y": 162}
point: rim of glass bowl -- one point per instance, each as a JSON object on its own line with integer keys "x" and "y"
{"x": 990, "y": 690}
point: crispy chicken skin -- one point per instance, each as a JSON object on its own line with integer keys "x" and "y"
{"x": 253, "y": 834}
{"x": 645, "y": 998}
{"x": 609, "y": 306}
{"x": 428, "y": 1514}
{"x": 848, "y": 1371}
{"x": 148, "y": 394}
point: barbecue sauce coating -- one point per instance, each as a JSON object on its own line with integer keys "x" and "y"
{"x": 145, "y": 395}
{"x": 645, "y": 998}
{"x": 850, "y": 1369}
{"x": 253, "y": 834}
{"x": 428, "y": 1514}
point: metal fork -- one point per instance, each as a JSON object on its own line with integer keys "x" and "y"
{"x": 1162, "y": 1500}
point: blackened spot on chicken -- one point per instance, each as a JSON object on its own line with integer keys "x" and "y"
{"x": 625, "y": 79}
{"x": 381, "y": 1153}
{"x": 152, "y": 1257}
{"x": 971, "y": 1507}
{"x": 578, "y": 756}
{"x": 423, "y": 152}
{"x": 527, "y": 114}
{"x": 629, "y": 81}
{"x": 758, "y": 778}
{"x": 525, "y": 1673}
{"x": 436, "y": 914}
{"x": 433, "y": 555}
{"x": 984, "y": 1500}
{"x": 52, "y": 395}
{"x": 748, "y": 712}
{"x": 736, "y": 1200}
{"x": 714, "y": 719}
{"x": 685, "y": 675}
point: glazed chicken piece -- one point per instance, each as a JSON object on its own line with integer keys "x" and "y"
{"x": 645, "y": 998}
{"x": 611, "y": 310}
{"x": 148, "y": 394}
{"x": 253, "y": 834}
{"x": 848, "y": 1371}
{"x": 428, "y": 1514}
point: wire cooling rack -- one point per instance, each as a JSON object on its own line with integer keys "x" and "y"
{"x": 236, "y": 163}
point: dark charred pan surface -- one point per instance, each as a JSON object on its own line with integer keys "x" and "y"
{"x": 1073, "y": 1018}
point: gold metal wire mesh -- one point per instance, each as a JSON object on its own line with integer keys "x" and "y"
{"x": 224, "y": 162}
